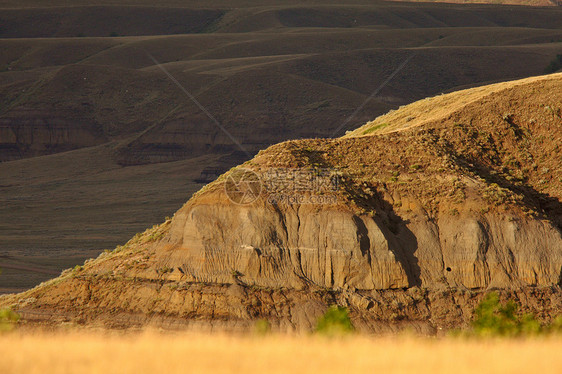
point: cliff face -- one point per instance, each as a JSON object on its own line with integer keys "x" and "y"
{"x": 467, "y": 198}
{"x": 333, "y": 247}
{"x": 407, "y": 225}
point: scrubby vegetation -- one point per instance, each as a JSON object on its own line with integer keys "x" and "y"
{"x": 493, "y": 318}
{"x": 335, "y": 321}
{"x": 8, "y": 319}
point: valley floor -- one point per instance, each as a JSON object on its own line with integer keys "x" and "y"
{"x": 152, "y": 352}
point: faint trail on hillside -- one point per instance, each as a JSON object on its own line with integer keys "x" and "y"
{"x": 199, "y": 105}
{"x": 373, "y": 94}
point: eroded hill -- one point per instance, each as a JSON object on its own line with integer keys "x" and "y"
{"x": 408, "y": 221}
{"x": 86, "y": 113}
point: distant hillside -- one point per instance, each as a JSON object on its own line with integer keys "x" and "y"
{"x": 407, "y": 222}
{"x": 62, "y": 87}
{"x": 548, "y": 3}
{"x": 238, "y": 4}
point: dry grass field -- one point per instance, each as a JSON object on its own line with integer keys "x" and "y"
{"x": 90, "y": 352}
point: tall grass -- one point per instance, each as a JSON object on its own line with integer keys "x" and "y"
{"x": 91, "y": 352}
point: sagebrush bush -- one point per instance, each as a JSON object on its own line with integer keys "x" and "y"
{"x": 262, "y": 327}
{"x": 335, "y": 321}
{"x": 493, "y": 318}
{"x": 8, "y": 319}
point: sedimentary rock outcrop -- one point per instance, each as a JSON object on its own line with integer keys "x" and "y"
{"x": 407, "y": 225}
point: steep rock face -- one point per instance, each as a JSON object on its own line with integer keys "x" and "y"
{"x": 501, "y": 251}
{"x": 333, "y": 247}
{"x": 271, "y": 246}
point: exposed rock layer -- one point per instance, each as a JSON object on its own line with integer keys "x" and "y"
{"x": 422, "y": 222}
{"x": 333, "y": 247}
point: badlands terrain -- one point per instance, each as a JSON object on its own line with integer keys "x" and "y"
{"x": 98, "y": 143}
{"x": 413, "y": 217}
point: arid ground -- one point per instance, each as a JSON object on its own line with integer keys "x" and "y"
{"x": 433, "y": 205}
{"x": 435, "y": 119}
{"x": 98, "y": 143}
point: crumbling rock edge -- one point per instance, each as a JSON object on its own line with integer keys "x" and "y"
{"x": 122, "y": 304}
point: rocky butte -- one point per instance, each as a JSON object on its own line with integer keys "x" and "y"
{"x": 415, "y": 216}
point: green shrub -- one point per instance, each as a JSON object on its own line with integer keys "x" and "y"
{"x": 335, "y": 322}
{"x": 556, "y": 325}
{"x": 493, "y": 318}
{"x": 8, "y": 319}
{"x": 262, "y": 327}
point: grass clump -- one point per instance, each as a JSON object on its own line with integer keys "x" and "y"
{"x": 493, "y": 318}
{"x": 8, "y": 319}
{"x": 262, "y": 327}
{"x": 496, "y": 194}
{"x": 335, "y": 322}
{"x": 375, "y": 128}
{"x": 164, "y": 270}
{"x": 416, "y": 167}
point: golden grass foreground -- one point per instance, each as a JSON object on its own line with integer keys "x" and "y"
{"x": 152, "y": 352}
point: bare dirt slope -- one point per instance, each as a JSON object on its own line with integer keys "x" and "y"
{"x": 421, "y": 222}
{"x": 301, "y": 85}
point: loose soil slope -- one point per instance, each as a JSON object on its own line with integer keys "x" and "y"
{"x": 423, "y": 219}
